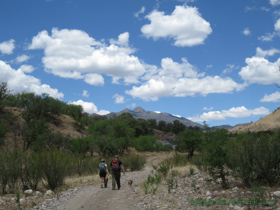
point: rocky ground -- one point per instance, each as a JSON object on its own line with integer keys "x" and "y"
{"x": 185, "y": 189}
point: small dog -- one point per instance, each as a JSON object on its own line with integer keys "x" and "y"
{"x": 130, "y": 182}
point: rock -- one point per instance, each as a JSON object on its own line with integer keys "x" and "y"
{"x": 235, "y": 189}
{"x": 38, "y": 194}
{"x": 22, "y": 201}
{"x": 208, "y": 194}
{"x": 276, "y": 193}
{"x": 49, "y": 192}
{"x": 28, "y": 192}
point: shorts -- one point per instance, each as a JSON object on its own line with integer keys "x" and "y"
{"x": 102, "y": 174}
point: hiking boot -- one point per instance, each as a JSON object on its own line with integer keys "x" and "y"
{"x": 119, "y": 188}
{"x": 105, "y": 185}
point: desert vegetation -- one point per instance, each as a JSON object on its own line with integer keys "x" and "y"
{"x": 33, "y": 156}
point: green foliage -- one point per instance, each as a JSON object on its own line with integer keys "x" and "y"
{"x": 178, "y": 127}
{"x": 4, "y": 92}
{"x": 191, "y": 172}
{"x": 189, "y": 140}
{"x": 152, "y": 183}
{"x": 255, "y": 157}
{"x": 152, "y": 123}
{"x": 178, "y": 159}
{"x": 55, "y": 166}
{"x": 134, "y": 162}
{"x": 10, "y": 170}
{"x": 3, "y": 130}
{"x": 34, "y": 134}
{"x": 147, "y": 143}
{"x": 57, "y": 141}
{"x": 214, "y": 154}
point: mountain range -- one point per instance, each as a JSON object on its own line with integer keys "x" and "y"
{"x": 269, "y": 122}
{"x": 158, "y": 116}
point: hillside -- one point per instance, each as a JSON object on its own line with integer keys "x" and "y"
{"x": 168, "y": 118}
{"x": 63, "y": 125}
{"x": 269, "y": 122}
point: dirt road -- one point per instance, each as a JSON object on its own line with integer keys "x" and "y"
{"x": 95, "y": 197}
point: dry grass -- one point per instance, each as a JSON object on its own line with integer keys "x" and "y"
{"x": 269, "y": 122}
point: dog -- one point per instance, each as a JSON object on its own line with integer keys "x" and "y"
{"x": 130, "y": 182}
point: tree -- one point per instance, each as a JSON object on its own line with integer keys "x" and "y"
{"x": 4, "y": 92}
{"x": 178, "y": 127}
{"x": 152, "y": 123}
{"x": 162, "y": 125}
{"x": 188, "y": 141}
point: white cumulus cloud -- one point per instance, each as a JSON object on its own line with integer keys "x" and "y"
{"x": 246, "y": 32}
{"x": 119, "y": 99}
{"x": 235, "y": 112}
{"x": 274, "y": 97}
{"x": 7, "y": 47}
{"x": 275, "y": 2}
{"x": 22, "y": 58}
{"x": 18, "y": 81}
{"x": 180, "y": 80}
{"x": 74, "y": 54}
{"x": 89, "y": 107}
{"x": 85, "y": 93}
{"x": 266, "y": 53}
{"x": 26, "y": 68}
{"x": 185, "y": 25}
{"x": 261, "y": 71}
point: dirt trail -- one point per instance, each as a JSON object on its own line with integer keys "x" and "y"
{"x": 95, "y": 197}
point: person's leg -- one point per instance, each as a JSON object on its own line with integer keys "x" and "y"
{"x": 101, "y": 181}
{"x": 105, "y": 181}
{"x": 118, "y": 178}
{"x": 113, "y": 180}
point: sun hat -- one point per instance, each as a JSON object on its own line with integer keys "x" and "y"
{"x": 103, "y": 160}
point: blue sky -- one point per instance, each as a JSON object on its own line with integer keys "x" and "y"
{"x": 215, "y": 61}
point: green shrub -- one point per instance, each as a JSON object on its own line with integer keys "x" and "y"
{"x": 55, "y": 166}
{"x": 135, "y": 162}
{"x": 214, "y": 155}
{"x": 255, "y": 157}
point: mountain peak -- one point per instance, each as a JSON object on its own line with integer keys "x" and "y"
{"x": 139, "y": 109}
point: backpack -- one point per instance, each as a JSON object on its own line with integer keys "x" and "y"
{"x": 102, "y": 167}
{"x": 115, "y": 165}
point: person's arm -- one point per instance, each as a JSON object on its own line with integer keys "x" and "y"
{"x": 107, "y": 171}
{"x": 123, "y": 169}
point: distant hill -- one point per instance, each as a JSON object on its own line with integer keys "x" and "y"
{"x": 228, "y": 127}
{"x": 269, "y": 122}
{"x": 168, "y": 118}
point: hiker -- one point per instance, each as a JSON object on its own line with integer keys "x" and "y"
{"x": 103, "y": 171}
{"x": 116, "y": 166}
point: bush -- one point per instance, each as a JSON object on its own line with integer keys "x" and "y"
{"x": 10, "y": 169}
{"x": 134, "y": 162}
{"x": 55, "y": 166}
{"x": 255, "y": 157}
{"x": 214, "y": 154}
{"x": 147, "y": 143}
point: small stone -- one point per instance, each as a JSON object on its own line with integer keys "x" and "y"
{"x": 28, "y": 192}
{"x": 49, "y": 192}
{"x": 276, "y": 193}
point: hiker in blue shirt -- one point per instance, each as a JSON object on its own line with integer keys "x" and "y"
{"x": 103, "y": 171}
{"x": 116, "y": 166}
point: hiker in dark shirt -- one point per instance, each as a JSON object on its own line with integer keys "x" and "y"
{"x": 116, "y": 166}
{"x": 103, "y": 171}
